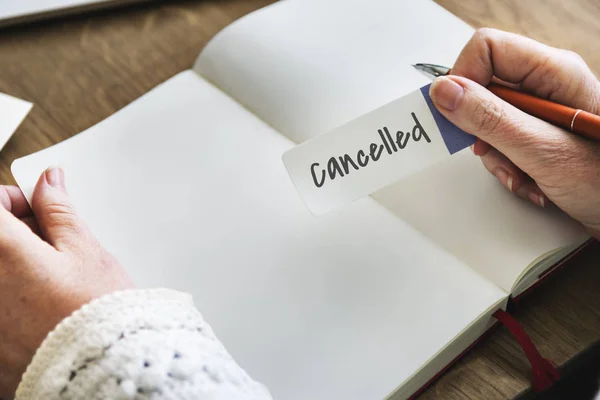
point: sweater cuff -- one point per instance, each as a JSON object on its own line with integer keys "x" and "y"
{"x": 95, "y": 326}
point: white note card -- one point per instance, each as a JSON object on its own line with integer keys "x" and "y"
{"x": 12, "y": 112}
{"x": 372, "y": 152}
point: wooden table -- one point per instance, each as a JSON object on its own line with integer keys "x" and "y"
{"x": 81, "y": 69}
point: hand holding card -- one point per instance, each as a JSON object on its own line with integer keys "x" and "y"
{"x": 372, "y": 152}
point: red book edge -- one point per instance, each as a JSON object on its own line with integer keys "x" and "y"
{"x": 451, "y": 363}
{"x": 551, "y": 271}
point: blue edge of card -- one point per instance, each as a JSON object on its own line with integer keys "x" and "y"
{"x": 454, "y": 138}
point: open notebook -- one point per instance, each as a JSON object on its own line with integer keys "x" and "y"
{"x": 186, "y": 186}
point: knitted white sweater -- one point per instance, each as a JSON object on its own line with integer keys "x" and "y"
{"x": 136, "y": 344}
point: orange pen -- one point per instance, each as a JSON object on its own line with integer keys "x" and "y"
{"x": 577, "y": 121}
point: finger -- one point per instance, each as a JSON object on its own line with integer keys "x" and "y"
{"x": 510, "y": 85}
{"x": 15, "y": 237}
{"x": 527, "y": 141}
{"x": 550, "y": 73}
{"x": 31, "y": 222}
{"x": 13, "y": 200}
{"x": 56, "y": 217}
{"x": 530, "y": 191}
{"x": 512, "y": 178}
{"x": 515, "y": 180}
{"x": 504, "y": 170}
{"x": 480, "y": 148}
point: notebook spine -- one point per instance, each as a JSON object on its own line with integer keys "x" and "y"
{"x": 544, "y": 373}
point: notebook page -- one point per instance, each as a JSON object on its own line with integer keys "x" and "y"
{"x": 306, "y": 67}
{"x": 187, "y": 189}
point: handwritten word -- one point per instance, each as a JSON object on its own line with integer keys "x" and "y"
{"x": 341, "y": 165}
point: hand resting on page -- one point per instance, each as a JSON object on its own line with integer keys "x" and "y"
{"x": 531, "y": 158}
{"x": 107, "y": 339}
{"x": 50, "y": 266}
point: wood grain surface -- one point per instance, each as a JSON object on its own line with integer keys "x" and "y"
{"x": 80, "y": 69}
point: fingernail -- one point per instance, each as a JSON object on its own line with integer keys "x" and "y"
{"x": 472, "y": 147}
{"x": 509, "y": 183}
{"x": 446, "y": 93}
{"x": 504, "y": 177}
{"x": 55, "y": 177}
{"x": 537, "y": 199}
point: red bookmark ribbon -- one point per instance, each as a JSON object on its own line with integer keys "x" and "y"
{"x": 543, "y": 371}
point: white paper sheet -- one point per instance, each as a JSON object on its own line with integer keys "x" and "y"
{"x": 373, "y": 151}
{"x": 12, "y": 112}
{"x": 309, "y": 66}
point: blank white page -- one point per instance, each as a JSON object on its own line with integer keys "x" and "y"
{"x": 466, "y": 211}
{"x": 307, "y": 66}
{"x": 188, "y": 190}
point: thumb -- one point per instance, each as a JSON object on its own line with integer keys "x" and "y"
{"x": 56, "y": 217}
{"x": 524, "y": 139}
